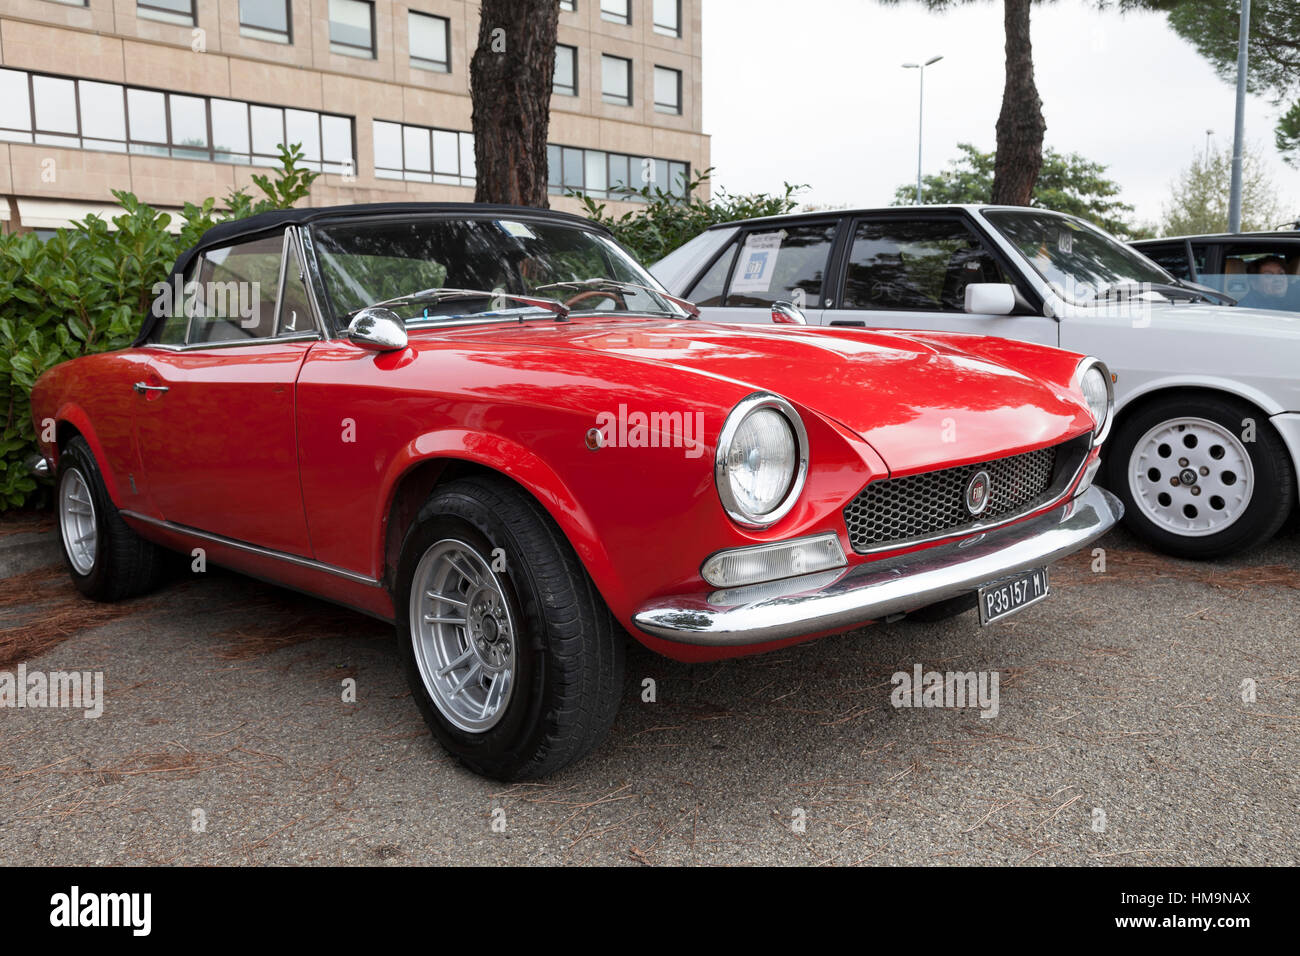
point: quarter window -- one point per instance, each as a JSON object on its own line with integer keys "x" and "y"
{"x": 915, "y": 265}
{"x": 783, "y": 264}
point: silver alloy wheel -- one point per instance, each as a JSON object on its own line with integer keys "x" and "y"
{"x": 77, "y": 521}
{"x": 1191, "y": 476}
{"x": 463, "y": 634}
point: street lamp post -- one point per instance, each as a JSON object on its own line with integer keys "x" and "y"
{"x": 920, "y": 118}
{"x": 1239, "y": 124}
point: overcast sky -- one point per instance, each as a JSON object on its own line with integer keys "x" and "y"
{"x": 813, "y": 91}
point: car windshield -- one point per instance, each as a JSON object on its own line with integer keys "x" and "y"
{"x": 364, "y": 262}
{"x": 1083, "y": 265}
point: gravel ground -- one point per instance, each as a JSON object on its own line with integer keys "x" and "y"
{"x": 1121, "y": 737}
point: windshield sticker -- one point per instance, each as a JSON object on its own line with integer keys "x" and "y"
{"x": 516, "y": 229}
{"x": 757, "y": 262}
{"x": 1065, "y": 242}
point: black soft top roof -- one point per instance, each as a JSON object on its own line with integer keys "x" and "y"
{"x": 264, "y": 223}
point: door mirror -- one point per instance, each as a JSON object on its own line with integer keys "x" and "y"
{"x": 990, "y": 298}
{"x": 378, "y": 330}
{"x": 785, "y": 313}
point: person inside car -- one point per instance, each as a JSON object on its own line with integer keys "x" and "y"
{"x": 1269, "y": 286}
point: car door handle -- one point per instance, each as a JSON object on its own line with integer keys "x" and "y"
{"x": 142, "y": 388}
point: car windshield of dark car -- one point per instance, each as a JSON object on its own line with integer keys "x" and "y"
{"x": 1083, "y": 265}
{"x": 369, "y": 261}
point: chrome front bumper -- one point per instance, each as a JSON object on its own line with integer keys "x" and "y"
{"x": 834, "y": 601}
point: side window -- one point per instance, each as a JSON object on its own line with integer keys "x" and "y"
{"x": 896, "y": 264}
{"x": 1172, "y": 258}
{"x": 711, "y": 286}
{"x": 787, "y": 264}
{"x": 237, "y": 292}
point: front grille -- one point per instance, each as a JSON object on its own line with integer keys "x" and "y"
{"x": 899, "y": 510}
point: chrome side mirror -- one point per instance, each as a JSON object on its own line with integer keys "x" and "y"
{"x": 786, "y": 313}
{"x": 378, "y": 330}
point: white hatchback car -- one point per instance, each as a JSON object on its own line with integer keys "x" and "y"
{"x": 1205, "y": 446}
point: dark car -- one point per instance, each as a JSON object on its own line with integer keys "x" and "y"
{"x": 1259, "y": 270}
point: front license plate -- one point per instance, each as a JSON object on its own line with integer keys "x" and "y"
{"x": 1011, "y": 594}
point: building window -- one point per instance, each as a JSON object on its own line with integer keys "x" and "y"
{"x": 616, "y": 11}
{"x": 265, "y": 20}
{"x": 616, "y": 79}
{"x": 87, "y": 114}
{"x": 668, "y": 17}
{"x": 70, "y": 3}
{"x": 430, "y": 41}
{"x": 668, "y": 90}
{"x": 569, "y": 6}
{"x": 168, "y": 11}
{"x": 352, "y": 28}
{"x": 566, "y": 70}
{"x": 423, "y": 155}
{"x": 604, "y": 175}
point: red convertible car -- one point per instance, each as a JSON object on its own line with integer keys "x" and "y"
{"x": 490, "y": 426}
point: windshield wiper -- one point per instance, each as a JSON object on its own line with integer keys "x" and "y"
{"x": 558, "y": 309}
{"x": 617, "y": 285}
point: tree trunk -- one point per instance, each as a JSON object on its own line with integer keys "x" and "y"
{"x": 510, "y": 85}
{"x": 1020, "y": 124}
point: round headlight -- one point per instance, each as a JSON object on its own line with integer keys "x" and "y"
{"x": 1095, "y": 383}
{"x": 762, "y": 460}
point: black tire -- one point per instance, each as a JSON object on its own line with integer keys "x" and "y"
{"x": 1271, "y": 499}
{"x": 944, "y": 610}
{"x": 568, "y": 678}
{"x": 124, "y": 564}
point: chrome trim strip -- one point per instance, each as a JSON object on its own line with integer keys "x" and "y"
{"x": 975, "y": 527}
{"x": 252, "y": 548}
{"x": 234, "y": 343}
{"x": 877, "y": 589}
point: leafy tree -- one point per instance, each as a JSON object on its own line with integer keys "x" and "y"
{"x": 1067, "y": 183}
{"x": 665, "y": 221}
{"x": 88, "y": 288}
{"x": 1021, "y": 125}
{"x": 1199, "y": 196}
{"x": 1212, "y": 27}
{"x": 511, "y": 75}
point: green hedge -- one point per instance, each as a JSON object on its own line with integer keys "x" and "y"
{"x": 87, "y": 289}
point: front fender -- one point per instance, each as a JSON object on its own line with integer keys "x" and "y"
{"x": 522, "y": 465}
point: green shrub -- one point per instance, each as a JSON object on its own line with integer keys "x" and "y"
{"x": 87, "y": 289}
{"x": 665, "y": 222}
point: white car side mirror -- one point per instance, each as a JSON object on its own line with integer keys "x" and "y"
{"x": 990, "y": 298}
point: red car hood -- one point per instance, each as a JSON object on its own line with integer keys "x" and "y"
{"x": 919, "y": 406}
